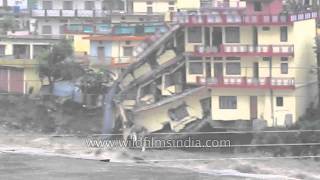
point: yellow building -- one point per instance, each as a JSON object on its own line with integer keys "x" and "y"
{"x": 18, "y": 64}
{"x": 250, "y": 67}
{"x": 259, "y": 67}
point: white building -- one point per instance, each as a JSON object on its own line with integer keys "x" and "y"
{"x": 23, "y": 4}
{"x": 52, "y": 16}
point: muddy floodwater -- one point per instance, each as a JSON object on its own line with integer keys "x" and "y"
{"x": 21, "y": 167}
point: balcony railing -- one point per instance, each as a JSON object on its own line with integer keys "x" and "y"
{"x": 221, "y": 19}
{"x": 103, "y": 61}
{"x": 245, "y": 50}
{"x": 205, "y": 18}
{"x": 247, "y": 82}
{"x": 213, "y": 4}
{"x": 83, "y": 13}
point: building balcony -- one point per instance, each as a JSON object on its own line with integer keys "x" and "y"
{"x": 96, "y": 61}
{"x": 247, "y": 82}
{"x": 81, "y": 13}
{"x": 204, "y": 18}
{"x": 213, "y": 4}
{"x": 244, "y": 50}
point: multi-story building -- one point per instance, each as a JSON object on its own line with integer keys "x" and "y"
{"x": 18, "y": 62}
{"x": 110, "y": 46}
{"x": 51, "y": 16}
{"x": 234, "y": 62}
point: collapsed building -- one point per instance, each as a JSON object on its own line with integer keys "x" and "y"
{"x": 236, "y": 67}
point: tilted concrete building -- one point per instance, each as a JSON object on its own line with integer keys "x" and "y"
{"x": 226, "y": 63}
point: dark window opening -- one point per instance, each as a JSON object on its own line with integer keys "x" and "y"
{"x": 178, "y": 113}
{"x": 228, "y": 102}
{"x": 195, "y": 68}
{"x": 233, "y": 69}
{"x": 284, "y": 68}
{"x": 279, "y": 101}
{"x": 257, "y": 6}
{"x": 232, "y": 34}
{"x": 195, "y": 35}
{"x": 284, "y": 34}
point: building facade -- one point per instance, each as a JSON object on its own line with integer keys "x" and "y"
{"x": 18, "y": 63}
{"x": 234, "y": 63}
{"x": 52, "y": 16}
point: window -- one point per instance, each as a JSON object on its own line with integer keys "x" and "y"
{"x": 47, "y": 4}
{"x": 61, "y": 29}
{"x": 232, "y": 35}
{"x": 195, "y": 35}
{"x": 279, "y": 101}
{"x": 284, "y": 68}
{"x": 149, "y": 3}
{"x": 46, "y": 29}
{"x": 284, "y": 34}
{"x": 89, "y": 5}
{"x": 266, "y": 28}
{"x": 284, "y": 58}
{"x": 257, "y": 6}
{"x": 149, "y": 10}
{"x": 171, "y": 8}
{"x": 178, "y": 113}
{"x": 2, "y": 50}
{"x": 67, "y": 5}
{"x": 127, "y": 51}
{"x": 233, "y": 68}
{"x": 233, "y": 58}
{"x": 228, "y": 102}
{"x": 171, "y": 3}
{"x": 195, "y": 68}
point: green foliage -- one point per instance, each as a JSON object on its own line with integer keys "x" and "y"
{"x": 53, "y": 63}
{"x": 95, "y": 82}
{"x": 8, "y": 23}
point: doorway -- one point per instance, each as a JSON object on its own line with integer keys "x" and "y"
{"x": 255, "y": 37}
{"x": 216, "y": 37}
{"x": 101, "y": 53}
{"x": 256, "y": 70}
{"x": 218, "y": 71}
{"x": 208, "y": 70}
{"x": 207, "y": 37}
{"x": 253, "y": 107}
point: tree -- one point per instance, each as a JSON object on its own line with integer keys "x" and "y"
{"x": 8, "y": 23}
{"x": 54, "y": 66}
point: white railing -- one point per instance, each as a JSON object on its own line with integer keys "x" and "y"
{"x": 85, "y": 13}
{"x": 233, "y": 80}
{"x": 282, "y": 82}
{"x": 303, "y": 16}
{"x": 38, "y": 13}
{"x": 68, "y": 13}
{"x": 244, "y": 48}
{"x": 249, "y": 82}
{"x": 256, "y": 81}
{"x": 223, "y": 5}
{"x": 53, "y": 13}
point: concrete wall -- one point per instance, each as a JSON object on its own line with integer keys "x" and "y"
{"x": 155, "y": 118}
{"x": 81, "y": 45}
{"x": 305, "y": 60}
{"x": 107, "y": 47}
{"x": 242, "y": 112}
